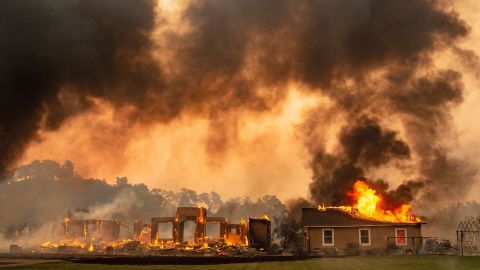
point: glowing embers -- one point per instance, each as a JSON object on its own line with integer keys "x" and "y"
{"x": 77, "y": 236}
{"x": 369, "y": 203}
{"x": 102, "y": 236}
{"x": 90, "y": 248}
{"x": 87, "y": 231}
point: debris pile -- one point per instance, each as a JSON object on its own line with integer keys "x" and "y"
{"x": 101, "y": 237}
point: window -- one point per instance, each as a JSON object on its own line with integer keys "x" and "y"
{"x": 364, "y": 237}
{"x": 328, "y": 237}
{"x": 401, "y": 237}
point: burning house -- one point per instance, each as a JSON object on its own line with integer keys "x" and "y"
{"x": 229, "y": 233}
{"x": 236, "y": 234}
{"x": 254, "y": 233}
{"x": 259, "y": 233}
{"x": 91, "y": 231}
{"x": 102, "y": 236}
{"x": 334, "y": 228}
{"x": 196, "y": 214}
{"x": 74, "y": 236}
{"x": 365, "y": 226}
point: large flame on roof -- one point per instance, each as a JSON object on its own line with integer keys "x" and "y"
{"x": 371, "y": 204}
{"x": 368, "y": 203}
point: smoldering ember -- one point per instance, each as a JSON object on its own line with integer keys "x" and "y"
{"x": 214, "y": 131}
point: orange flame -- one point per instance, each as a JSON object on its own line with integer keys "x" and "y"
{"x": 90, "y": 248}
{"x": 371, "y": 204}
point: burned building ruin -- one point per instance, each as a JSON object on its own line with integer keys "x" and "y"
{"x": 254, "y": 233}
{"x": 89, "y": 230}
{"x": 196, "y": 214}
{"x": 259, "y": 233}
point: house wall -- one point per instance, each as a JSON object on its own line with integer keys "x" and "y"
{"x": 348, "y": 237}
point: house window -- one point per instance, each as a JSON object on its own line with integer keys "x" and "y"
{"x": 401, "y": 236}
{"x": 328, "y": 237}
{"x": 364, "y": 237}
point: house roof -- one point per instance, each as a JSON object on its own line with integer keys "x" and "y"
{"x": 312, "y": 217}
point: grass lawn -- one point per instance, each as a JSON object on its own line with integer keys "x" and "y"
{"x": 353, "y": 263}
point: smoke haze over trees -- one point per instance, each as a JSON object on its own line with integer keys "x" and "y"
{"x": 388, "y": 102}
{"x": 45, "y": 192}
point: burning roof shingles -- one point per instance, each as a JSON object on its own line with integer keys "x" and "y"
{"x": 346, "y": 231}
{"x": 338, "y": 217}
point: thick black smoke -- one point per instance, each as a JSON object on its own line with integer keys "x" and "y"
{"x": 373, "y": 59}
{"x": 383, "y": 68}
{"x": 363, "y": 145}
{"x": 56, "y": 55}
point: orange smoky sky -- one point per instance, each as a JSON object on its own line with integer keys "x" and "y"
{"x": 266, "y": 157}
{"x": 263, "y": 152}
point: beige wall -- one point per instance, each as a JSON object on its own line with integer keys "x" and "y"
{"x": 345, "y": 238}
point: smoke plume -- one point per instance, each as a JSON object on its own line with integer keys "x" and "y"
{"x": 373, "y": 60}
{"x": 363, "y": 145}
{"x": 58, "y": 55}
{"x": 385, "y": 70}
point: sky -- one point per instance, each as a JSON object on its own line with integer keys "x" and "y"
{"x": 265, "y": 156}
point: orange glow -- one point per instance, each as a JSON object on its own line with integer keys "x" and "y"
{"x": 366, "y": 198}
{"x": 370, "y": 203}
{"x": 178, "y": 150}
{"x": 71, "y": 243}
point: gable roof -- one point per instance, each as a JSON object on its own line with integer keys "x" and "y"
{"x": 340, "y": 218}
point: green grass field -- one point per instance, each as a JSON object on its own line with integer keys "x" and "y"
{"x": 352, "y": 263}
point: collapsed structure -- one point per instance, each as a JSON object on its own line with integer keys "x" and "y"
{"x": 259, "y": 233}
{"x": 229, "y": 233}
{"x": 88, "y": 231}
{"x": 104, "y": 235}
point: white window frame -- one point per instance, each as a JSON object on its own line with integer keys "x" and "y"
{"x": 360, "y": 237}
{"x": 333, "y": 237}
{"x": 396, "y": 237}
